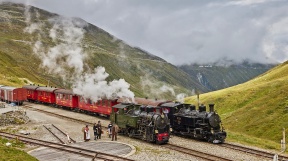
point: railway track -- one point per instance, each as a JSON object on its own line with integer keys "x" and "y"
{"x": 256, "y": 152}
{"x": 184, "y": 150}
{"x": 180, "y": 149}
{"x": 63, "y": 147}
{"x": 58, "y": 115}
{"x": 195, "y": 153}
{"x": 61, "y": 136}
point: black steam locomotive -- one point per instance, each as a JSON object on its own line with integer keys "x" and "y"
{"x": 143, "y": 122}
{"x": 185, "y": 120}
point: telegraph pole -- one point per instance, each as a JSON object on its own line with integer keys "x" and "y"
{"x": 283, "y": 142}
{"x": 283, "y": 146}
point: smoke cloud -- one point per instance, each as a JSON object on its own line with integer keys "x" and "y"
{"x": 160, "y": 90}
{"x": 66, "y": 58}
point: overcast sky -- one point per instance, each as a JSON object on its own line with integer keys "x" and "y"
{"x": 186, "y": 31}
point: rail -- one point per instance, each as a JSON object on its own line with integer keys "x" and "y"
{"x": 63, "y": 147}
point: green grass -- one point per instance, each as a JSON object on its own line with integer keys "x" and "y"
{"x": 13, "y": 152}
{"x": 255, "y": 109}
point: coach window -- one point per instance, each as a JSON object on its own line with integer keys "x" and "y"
{"x": 89, "y": 101}
{"x": 108, "y": 103}
{"x": 70, "y": 97}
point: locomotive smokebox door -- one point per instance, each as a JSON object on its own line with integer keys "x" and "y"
{"x": 214, "y": 119}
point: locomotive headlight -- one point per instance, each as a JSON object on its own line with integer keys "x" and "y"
{"x": 156, "y": 131}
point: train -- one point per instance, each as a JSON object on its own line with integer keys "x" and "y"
{"x": 199, "y": 124}
{"x": 152, "y": 120}
{"x": 142, "y": 122}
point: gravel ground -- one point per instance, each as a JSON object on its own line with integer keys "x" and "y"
{"x": 145, "y": 151}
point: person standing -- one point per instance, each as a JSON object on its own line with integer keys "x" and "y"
{"x": 110, "y": 129}
{"x": 99, "y": 127}
{"x": 95, "y": 129}
{"x": 115, "y": 130}
{"x": 87, "y": 134}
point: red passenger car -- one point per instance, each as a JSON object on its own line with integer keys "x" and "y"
{"x": 46, "y": 95}
{"x": 32, "y": 94}
{"x": 13, "y": 95}
{"x": 66, "y": 98}
{"x": 1, "y": 97}
{"x": 101, "y": 107}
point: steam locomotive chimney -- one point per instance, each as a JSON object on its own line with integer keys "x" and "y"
{"x": 211, "y": 107}
{"x": 192, "y": 107}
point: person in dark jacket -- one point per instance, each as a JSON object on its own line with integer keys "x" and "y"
{"x": 99, "y": 127}
{"x": 95, "y": 129}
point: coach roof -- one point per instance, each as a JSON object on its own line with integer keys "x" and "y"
{"x": 46, "y": 89}
{"x": 31, "y": 87}
{"x": 65, "y": 91}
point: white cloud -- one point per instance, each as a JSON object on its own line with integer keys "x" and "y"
{"x": 187, "y": 31}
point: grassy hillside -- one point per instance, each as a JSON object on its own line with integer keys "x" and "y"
{"x": 119, "y": 59}
{"x": 256, "y": 111}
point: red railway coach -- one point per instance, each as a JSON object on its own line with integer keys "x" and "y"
{"x": 101, "y": 107}
{"x": 66, "y": 98}
{"x": 32, "y": 94}
{"x": 0, "y": 92}
{"x": 13, "y": 94}
{"x": 46, "y": 95}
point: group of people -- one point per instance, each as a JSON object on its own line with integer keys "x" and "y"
{"x": 97, "y": 129}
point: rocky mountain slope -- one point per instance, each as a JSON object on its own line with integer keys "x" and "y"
{"x": 46, "y": 48}
{"x": 215, "y": 77}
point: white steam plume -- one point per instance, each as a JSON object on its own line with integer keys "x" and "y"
{"x": 180, "y": 97}
{"x": 166, "y": 88}
{"x": 95, "y": 86}
{"x": 67, "y": 57}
